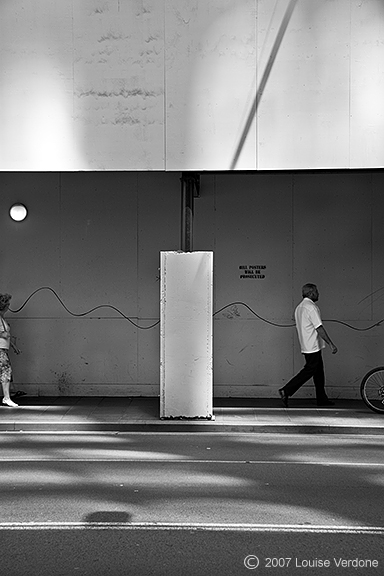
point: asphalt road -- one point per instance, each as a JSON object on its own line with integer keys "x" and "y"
{"x": 190, "y": 504}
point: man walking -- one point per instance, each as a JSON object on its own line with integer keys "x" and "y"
{"x": 312, "y": 336}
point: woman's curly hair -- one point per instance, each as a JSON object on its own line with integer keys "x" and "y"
{"x": 4, "y": 300}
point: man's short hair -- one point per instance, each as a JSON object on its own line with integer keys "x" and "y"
{"x": 308, "y": 290}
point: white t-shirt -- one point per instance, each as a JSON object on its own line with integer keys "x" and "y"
{"x": 5, "y": 340}
{"x": 307, "y": 317}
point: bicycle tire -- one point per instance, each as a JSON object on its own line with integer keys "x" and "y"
{"x": 372, "y": 389}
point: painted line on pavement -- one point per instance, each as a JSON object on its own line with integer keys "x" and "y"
{"x": 196, "y": 461}
{"x": 122, "y": 433}
{"x": 299, "y": 528}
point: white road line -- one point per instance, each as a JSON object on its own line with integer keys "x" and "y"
{"x": 195, "y": 461}
{"x": 300, "y": 528}
{"x": 118, "y": 433}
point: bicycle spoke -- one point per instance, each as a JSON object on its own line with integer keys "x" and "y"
{"x": 372, "y": 389}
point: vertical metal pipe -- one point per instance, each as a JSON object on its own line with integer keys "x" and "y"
{"x": 187, "y": 196}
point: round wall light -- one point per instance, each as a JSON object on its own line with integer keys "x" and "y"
{"x": 18, "y": 212}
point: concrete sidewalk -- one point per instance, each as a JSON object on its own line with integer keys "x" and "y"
{"x": 138, "y": 414}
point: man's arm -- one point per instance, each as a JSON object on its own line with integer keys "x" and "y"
{"x": 324, "y": 335}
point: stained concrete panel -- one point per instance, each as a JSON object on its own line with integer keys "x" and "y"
{"x": 254, "y": 228}
{"x": 158, "y": 219}
{"x": 303, "y": 118}
{"x": 250, "y": 357}
{"x": 30, "y": 257}
{"x": 58, "y": 354}
{"x": 210, "y": 83}
{"x": 119, "y": 83}
{"x": 367, "y": 84}
{"x": 332, "y": 242}
{"x": 37, "y": 87}
{"x": 99, "y": 241}
{"x": 148, "y": 354}
{"x": 375, "y": 300}
{"x": 204, "y": 222}
{"x": 158, "y": 222}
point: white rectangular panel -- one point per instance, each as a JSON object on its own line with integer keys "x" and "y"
{"x": 186, "y": 335}
{"x": 210, "y": 71}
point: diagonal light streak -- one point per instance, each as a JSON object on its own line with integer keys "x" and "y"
{"x": 264, "y": 80}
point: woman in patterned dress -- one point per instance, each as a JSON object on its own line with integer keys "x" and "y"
{"x": 6, "y": 340}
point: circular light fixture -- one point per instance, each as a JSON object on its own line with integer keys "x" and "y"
{"x": 18, "y": 212}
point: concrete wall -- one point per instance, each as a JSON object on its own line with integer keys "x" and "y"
{"x": 169, "y": 85}
{"x": 95, "y": 239}
{"x": 324, "y": 228}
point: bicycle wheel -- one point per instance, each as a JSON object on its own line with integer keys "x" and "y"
{"x": 372, "y": 389}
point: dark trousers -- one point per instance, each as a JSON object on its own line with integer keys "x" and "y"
{"x": 313, "y": 368}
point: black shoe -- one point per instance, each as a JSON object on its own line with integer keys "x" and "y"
{"x": 325, "y": 402}
{"x": 284, "y": 396}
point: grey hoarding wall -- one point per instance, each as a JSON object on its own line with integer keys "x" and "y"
{"x": 95, "y": 238}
